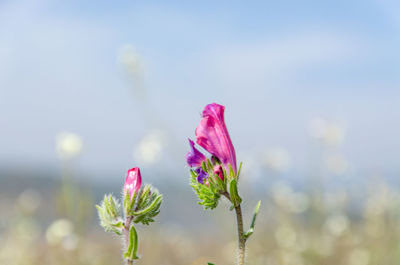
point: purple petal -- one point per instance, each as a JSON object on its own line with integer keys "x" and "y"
{"x": 194, "y": 157}
{"x": 201, "y": 175}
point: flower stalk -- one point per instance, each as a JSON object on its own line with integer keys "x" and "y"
{"x": 241, "y": 238}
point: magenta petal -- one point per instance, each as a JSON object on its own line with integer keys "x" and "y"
{"x": 194, "y": 157}
{"x": 212, "y": 135}
{"x": 133, "y": 181}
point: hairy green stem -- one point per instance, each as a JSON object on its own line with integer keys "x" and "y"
{"x": 127, "y": 226}
{"x": 241, "y": 237}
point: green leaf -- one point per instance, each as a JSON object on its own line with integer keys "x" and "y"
{"x": 149, "y": 207}
{"x": 126, "y": 202}
{"x": 253, "y": 221}
{"x": 143, "y": 196}
{"x": 109, "y": 212}
{"x": 131, "y": 252}
{"x": 132, "y": 202}
{"x": 233, "y": 192}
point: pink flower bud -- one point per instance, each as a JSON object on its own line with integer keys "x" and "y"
{"x": 133, "y": 181}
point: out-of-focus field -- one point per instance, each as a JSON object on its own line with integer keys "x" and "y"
{"x": 121, "y": 84}
{"x": 295, "y": 227}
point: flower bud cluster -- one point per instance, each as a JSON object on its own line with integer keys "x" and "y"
{"x": 141, "y": 203}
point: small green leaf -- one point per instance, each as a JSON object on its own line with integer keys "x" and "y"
{"x": 233, "y": 192}
{"x": 109, "y": 215}
{"x": 131, "y": 252}
{"x": 253, "y": 221}
{"x": 143, "y": 196}
{"x": 150, "y": 207}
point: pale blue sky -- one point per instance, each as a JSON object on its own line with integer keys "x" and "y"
{"x": 276, "y": 66}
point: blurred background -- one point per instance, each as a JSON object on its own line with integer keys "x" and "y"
{"x": 89, "y": 89}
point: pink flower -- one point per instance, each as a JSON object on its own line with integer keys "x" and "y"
{"x": 213, "y": 136}
{"x": 133, "y": 181}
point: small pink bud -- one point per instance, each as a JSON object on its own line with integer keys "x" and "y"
{"x": 219, "y": 172}
{"x": 133, "y": 181}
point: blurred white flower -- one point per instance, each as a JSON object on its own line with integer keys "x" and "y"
{"x": 149, "y": 149}
{"x": 29, "y": 201}
{"x": 70, "y": 242}
{"x": 58, "y": 231}
{"x": 359, "y": 256}
{"x": 329, "y": 133}
{"x": 68, "y": 145}
{"x": 129, "y": 58}
{"x": 277, "y": 159}
{"x": 336, "y": 224}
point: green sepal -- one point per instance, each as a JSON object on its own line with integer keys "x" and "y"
{"x": 148, "y": 206}
{"x": 239, "y": 170}
{"x": 232, "y": 175}
{"x": 220, "y": 184}
{"x": 109, "y": 212}
{"x": 193, "y": 174}
{"x": 233, "y": 192}
{"x": 129, "y": 203}
{"x": 210, "y": 167}
{"x": 209, "y": 263}
{"x": 131, "y": 251}
{"x": 143, "y": 196}
{"x": 204, "y": 166}
{"x": 207, "y": 194}
{"x": 253, "y": 221}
